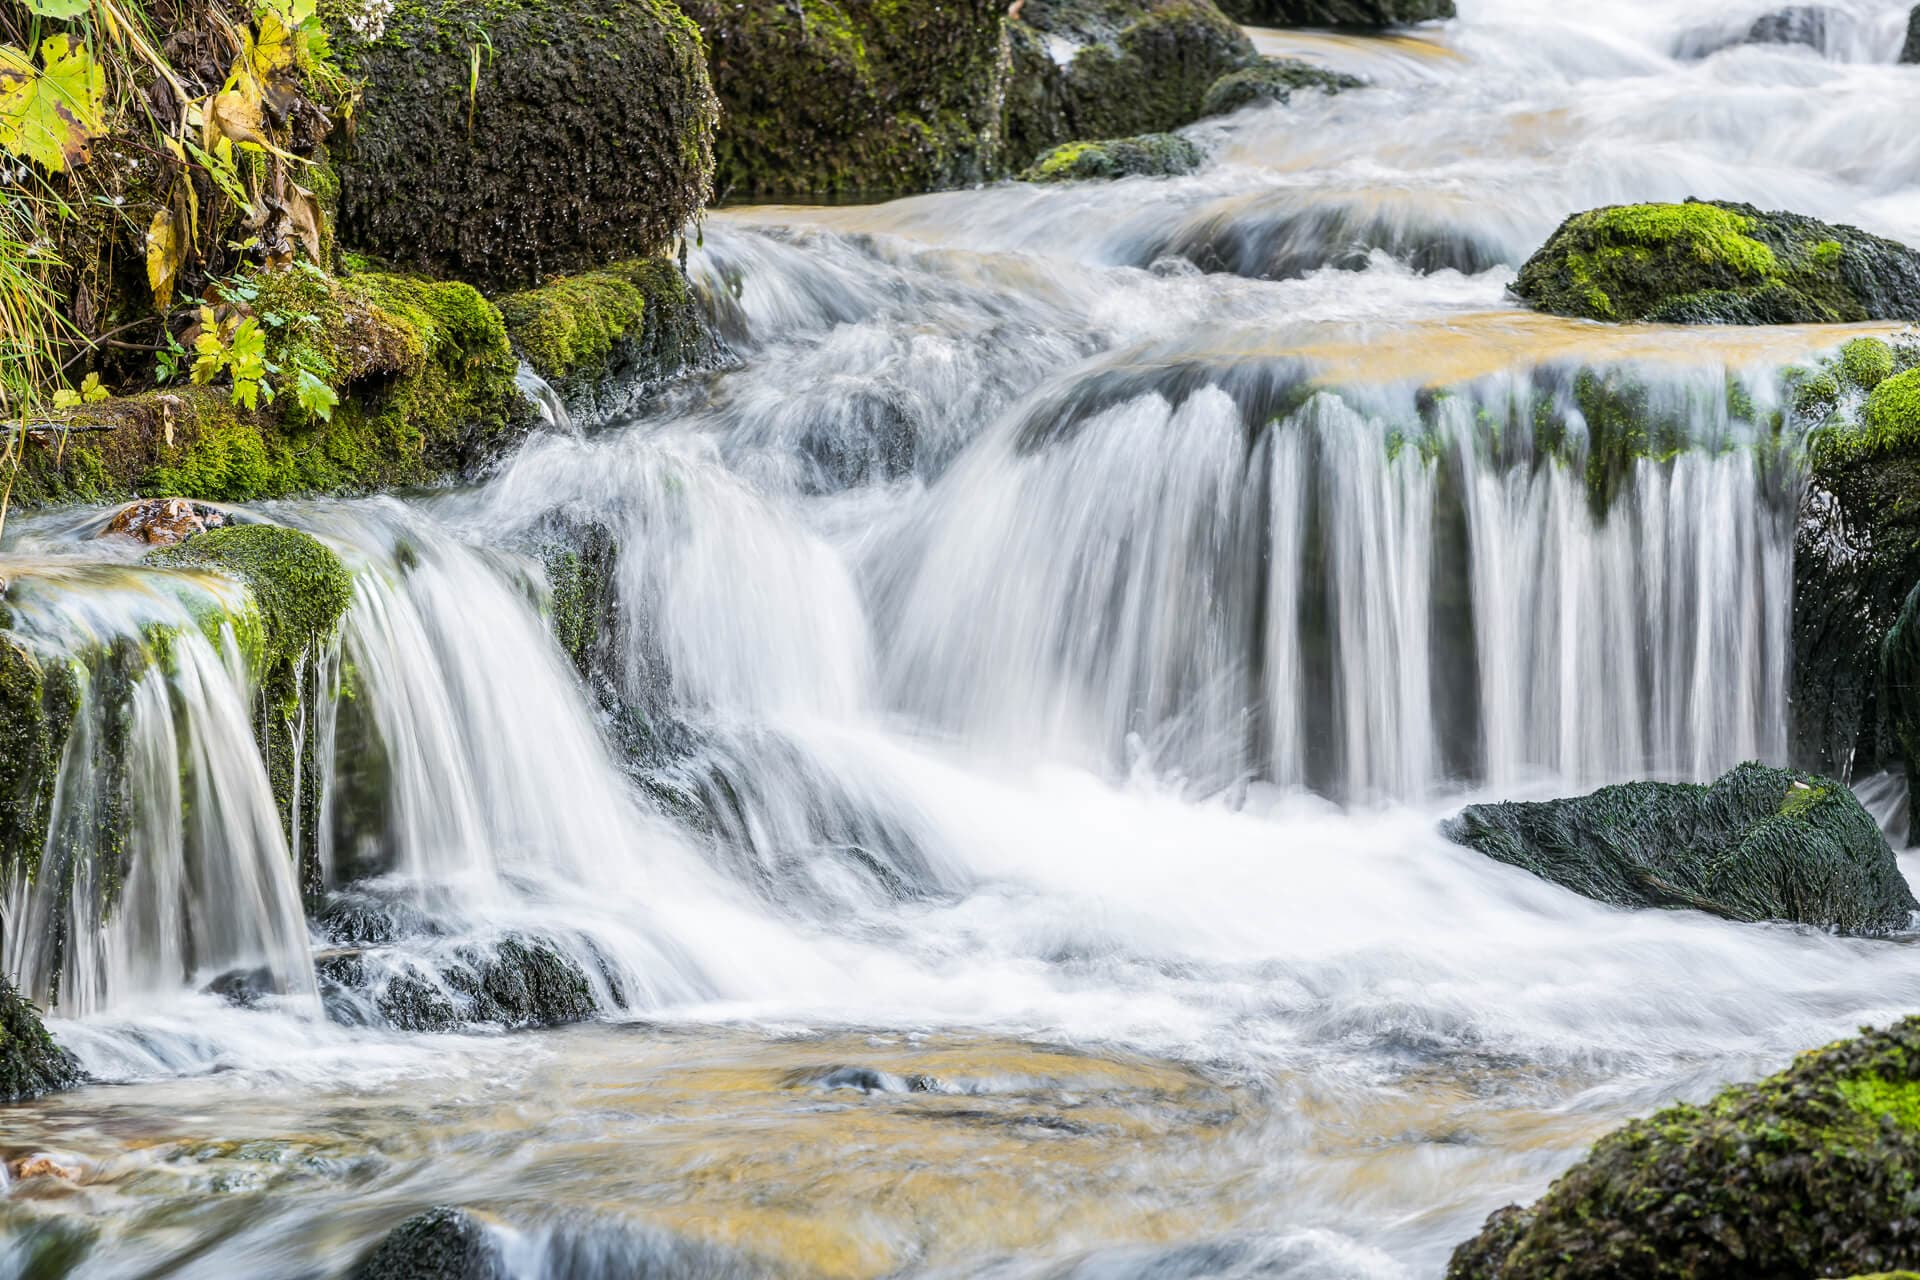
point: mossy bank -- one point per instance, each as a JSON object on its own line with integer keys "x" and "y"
{"x": 30, "y": 1062}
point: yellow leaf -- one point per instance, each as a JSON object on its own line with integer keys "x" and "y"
{"x": 271, "y": 53}
{"x": 166, "y": 249}
{"x": 91, "y": 391}
{"x": 66, "y": 398}
{"x": 52, "y": 113}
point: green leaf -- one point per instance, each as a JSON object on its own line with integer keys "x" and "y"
{"x": 51, "y": 114}
{"x": 91, "y": 391}
{"x": 58, "y": 8}
{"x": 315, "y": 396}
{"x": 66, "y": 398}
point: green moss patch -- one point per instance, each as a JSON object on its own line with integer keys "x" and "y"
{"x": 1153, "y": 155}
{"x": 599, "y": 333}
{"x": 1812, "y": 1172}
{"x": 1718, "y": 263}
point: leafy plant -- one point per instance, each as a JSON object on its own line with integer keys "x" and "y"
{"x": 90, "y": 392}
{"x": 237, "y": 347}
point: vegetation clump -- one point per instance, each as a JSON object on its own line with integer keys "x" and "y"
{"x": 1758, "y": 844}
{"x": 1272, "y": 80}
{"x": 1152, "y": 155}
{"x": 1719, "y": 263}
{"x": 501, "y": 141}
{"x": 30, "y": 1062}
{"x": 1811, "y": 1172}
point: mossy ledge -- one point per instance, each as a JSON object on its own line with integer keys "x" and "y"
{"x": 602, "y": 338}
{"x": 1811, "y": 1172}
{"x": 1758, "y": 844}
{"x": 425, "y": 377}
{"x": 1152, "y": 155}
{"x": 1706, "y": 262}
{"x": 300, "y": 591}
{"x": 30, "y": 1062}
{"x": 585, "y": 133}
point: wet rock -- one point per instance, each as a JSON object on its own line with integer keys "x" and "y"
{"x": 1719, "y": 263}
{"x": 42, "y": 1166}
{"x": 1811, "y": 25}
{"x": 161, "y": 522}
{"x": 1856, "y": 565}
{"x": 30, "y": 1062}
{"x": 586, "y": 137}
{"x": 1152, "y": 155}
{"x": 1337, "y": 13}
{"x": 244, "y": 987}
{"x": 444, "y": 1243}
{"x": 518, "y": 982}
{"x": 1806, "y": 1173}
{"x": 824, "y": 97}
{"x": 602, "y": 339}
{"x": 1758, "y": 844}
{"x": 1113, "y": 69}
{"x": 1273, "y": 80}
{"x": 1910, "y": 52}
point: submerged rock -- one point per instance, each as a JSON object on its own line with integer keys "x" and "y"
{"x": 585, "y": 135}
{"x": 1758, "y": 844}
{"x": 444, "y": 1243}
{"x": 1719, "y": 263}
{"x": 604, "y": 337}
{"x": 1273, "y": 80}
{"x": 516, "y": 982}
{"x": 1812, "y": 25}
{"x": 30, "y": 1062}
{"x": 1337, "y": 13}
{"x": 1811, "y": 1172}
{"x": 1113, "y": 69}
{"x": 1152, "y": 155}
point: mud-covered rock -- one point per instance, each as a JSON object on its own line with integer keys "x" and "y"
{"x": 499, "y": 141}
{"x": 1719, "y": 263}
{"x": 1758, "y": 844}
{"x": 1273, "y": 80}
{"x": 603, "y": 338}
{"x": 443, "y": 1243}
{"x": 1153, "y": 155}
{"x": 1812, "y": 1172}
{"x": 843, "y": 97}
{"x": 1337, "y": 13}
{"x": 161, "y": 522}
{"x": 1113, "y": 69}
{"x": 30, "y": 1062}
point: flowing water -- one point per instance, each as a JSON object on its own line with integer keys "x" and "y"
{"x": 999, "y": 831}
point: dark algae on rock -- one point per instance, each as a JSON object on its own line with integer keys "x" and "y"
{"x": 30, "y": 1062}
{"x": 1757, "y": 844}
{"x": 503, "y": 140}
{"x": 1814, "y": 1172}
{"x": 1719, "y": 263}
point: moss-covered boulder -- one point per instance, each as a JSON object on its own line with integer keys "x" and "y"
{"x": 842, "y": 97}
{"x": 423, "y": 372}
{"x": 1113, "y": 69}
{"x": 1758, "y": 844}
{"x": 1152, "y": 155}
{"x": 443, "y": 1243}
{"x": 1719, "y": 263}
{"x": 1368, "y": 14}
{"x": 603, "y": 337}
{"x": 1273, "y": 80}
{"x": 30, "y": 1062}
{"x": 502, "y": 140}
{"x": 1812, "y": 1172}
{"x": 1856, "y": 563}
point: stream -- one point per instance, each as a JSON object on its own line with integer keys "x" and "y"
{"x": 1002, "y": 838}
